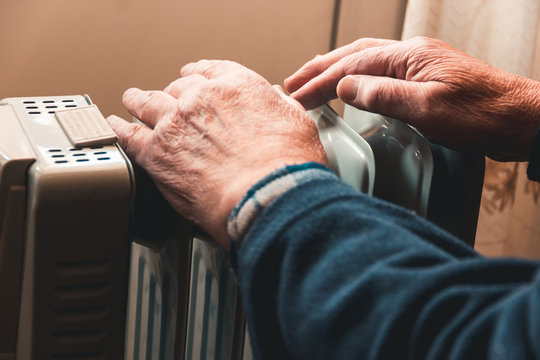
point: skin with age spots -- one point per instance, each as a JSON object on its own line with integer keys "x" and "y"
{"x": 452, "y": 98}
{"x": 211, "y": 135}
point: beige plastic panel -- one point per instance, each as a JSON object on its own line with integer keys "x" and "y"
{"x": 13, "y": 144}
{"x": 15, "y": 157}
{"x": 75, "y": 262}
{"x": 68, "y": 242}
{"x": 11, "y": 253}
{"x": 102, "y": 47}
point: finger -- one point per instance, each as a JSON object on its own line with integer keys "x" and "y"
{"x": 179, "y": 86}
{"x": 400, "y": 99}
{"x": 287, "y": 98}
{"x": 320, "y": 63}
{"x": 211, "y": 69}
{"x": 149, "y": 106}
{"x": 133, "y": 138}
{"x": 377, "y": 61}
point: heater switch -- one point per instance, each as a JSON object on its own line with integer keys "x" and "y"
{"x": 85, "y": 126}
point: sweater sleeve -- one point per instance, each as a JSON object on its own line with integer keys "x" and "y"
{"x": 328, "y": 273}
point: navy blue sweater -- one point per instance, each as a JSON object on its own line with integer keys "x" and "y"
{"x": 328, "y": 273}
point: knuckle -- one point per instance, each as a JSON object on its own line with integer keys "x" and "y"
{"x": 230, "y": 64}
{"x": 423, "y": 50}
{"x": 187, "y": 69}
{"x": 350, "y": 64}
{"x": 315, "y": 64}
{"x": 420, "y": 39}
{"x": 130, "y": 143}
{"x": 212, "y": 89}
{"x": 146, "y": 104}
{"x": 362, "y": 43}
{"x": 425, "y": 43}
{"x": 358, "y": 44}
{"x": 174, "y": 84}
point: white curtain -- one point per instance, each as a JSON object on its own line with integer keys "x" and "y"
{"x": 506, "y": 34}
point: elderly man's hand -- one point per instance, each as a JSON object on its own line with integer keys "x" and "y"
{"x": 211, "y": 135}
{"x": 450, "y": 97}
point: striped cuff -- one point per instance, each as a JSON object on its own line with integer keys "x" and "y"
{"x": 266, "y": 191}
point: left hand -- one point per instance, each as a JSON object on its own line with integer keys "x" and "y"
{"x": 452, "y": 98}
{"x": 211, "y": 135}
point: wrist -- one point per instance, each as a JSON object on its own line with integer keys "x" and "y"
{"x": 237, "y": 189}
{"x": 266, "y": 191}
{"x": 526, "y": 115}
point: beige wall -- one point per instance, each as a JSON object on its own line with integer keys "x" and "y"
{"x": 102, "y": 47}
{"x": 370, "y": 18}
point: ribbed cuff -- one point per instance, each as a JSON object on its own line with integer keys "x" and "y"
{"x": 266, "y": 191}
{"x": 533, "y": 170}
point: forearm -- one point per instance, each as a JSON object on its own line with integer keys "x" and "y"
{"x": 329, "y": 273}
{"x": 520, "y": 108}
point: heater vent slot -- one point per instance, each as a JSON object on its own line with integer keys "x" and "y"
{"x": 36, "y": 107}
{"x": 96, "y": 355}
{"x": 99, "y": 266}
{"x": 74, "y": 279}
{"x": 86, "y": 155}
{"x": 82, "y": 291}
{"x": 80, "y": 323}
{"x": 80, "y": 337}
{"x": 82, "y": 314}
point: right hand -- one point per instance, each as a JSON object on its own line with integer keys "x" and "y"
{"x": 452, "y": 98}
{"x": 211, "y": 135}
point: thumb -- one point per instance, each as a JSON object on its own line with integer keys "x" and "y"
{"x": 132, "y": 138}
{"x": 400, "y": 99}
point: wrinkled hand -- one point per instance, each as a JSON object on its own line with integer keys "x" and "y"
{"x": 211, "y": 135}
{"x": 452, "y": 98}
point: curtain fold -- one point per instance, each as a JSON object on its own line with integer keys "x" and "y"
{"x": 506, "y": 34}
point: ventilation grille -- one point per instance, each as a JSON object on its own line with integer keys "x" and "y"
{"x": 38, "y": 107}
{"x": 92, "y": 355}
{"x": 78, "y": 155}
{"x": 84, "y": 291}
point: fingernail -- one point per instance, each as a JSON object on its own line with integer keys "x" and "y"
{"x": 127, "y": 93}
{"x": 286, "y": 82}
{"x": 347, "y": 88}
{"x": 113, "y": 120}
